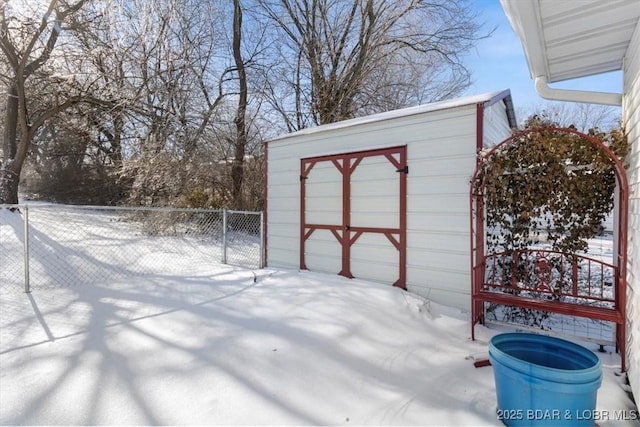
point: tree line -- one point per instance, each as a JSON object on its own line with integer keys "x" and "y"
{"x": 167, "y": 103}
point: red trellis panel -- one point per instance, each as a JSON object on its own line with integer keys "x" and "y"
{"x": 588, "y": 300}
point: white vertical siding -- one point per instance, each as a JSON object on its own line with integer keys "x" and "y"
{"x": 373, "y": 257}
{"x": 323, "y": 252}
{"x": 441, "y": 154}
{"x": 631, "y": 120}
{"x": 283, "y": 207}
{"x": 440, "y": 167}
{"x": 324, "y": 206}
{"x": 496, "y": 125}
{"x": 324, "y": 194}
{"x": 375, "y": 189}
{"x": 375, "y": 202}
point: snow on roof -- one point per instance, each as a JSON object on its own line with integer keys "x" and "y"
{"x": 487, "y": 99}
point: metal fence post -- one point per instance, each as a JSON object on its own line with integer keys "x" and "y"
{"x": 27, "y": 285}
{"x": 262, "y": 249}
{"x": 224, "y": 236}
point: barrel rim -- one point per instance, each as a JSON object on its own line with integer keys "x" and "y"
{"x": 570, "y": 376}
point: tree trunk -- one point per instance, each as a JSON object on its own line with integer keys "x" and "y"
{"x": 9, "y": 181}
{"x": 237, "y": 168}
{"x": 17, "y": 46}
{"x": 10, "y": 124}
{"x": 9, "y": 170}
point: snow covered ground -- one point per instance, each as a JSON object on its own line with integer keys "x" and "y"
{"x": 230, "y": 346}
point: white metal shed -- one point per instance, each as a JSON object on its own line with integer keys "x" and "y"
{"x": 384, "y": 197}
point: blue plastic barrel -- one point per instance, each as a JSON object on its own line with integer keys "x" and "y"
{"x": 544, "y": 381}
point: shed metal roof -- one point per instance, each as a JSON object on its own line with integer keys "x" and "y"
{"x": 486, "y": 99}
{"x": 570, "y": 39}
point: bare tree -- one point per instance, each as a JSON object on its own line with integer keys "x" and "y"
{"x": 345, "y": 57}
{"x": 27, "y": 46}
{"x": 158, "y": 64}
{"x": 171, "y": 97}
{"x": 241, "y": 112}
{"x": 582, "y": 116}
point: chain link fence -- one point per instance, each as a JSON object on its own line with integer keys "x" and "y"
{"x": 48, "y": 245}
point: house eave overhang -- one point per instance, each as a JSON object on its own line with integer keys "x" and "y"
{"x": 569, "y": 40}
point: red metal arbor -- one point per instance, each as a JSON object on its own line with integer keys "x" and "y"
{"x": 547, "y": 280}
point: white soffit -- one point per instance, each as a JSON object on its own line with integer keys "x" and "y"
{"x": 568, "y": 39}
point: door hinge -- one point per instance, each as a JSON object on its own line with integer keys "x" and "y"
{"x": 404, "y": 170}
{"x": 303, "y": 177}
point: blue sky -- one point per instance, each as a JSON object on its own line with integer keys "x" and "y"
{"x": 499, "y": 63}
